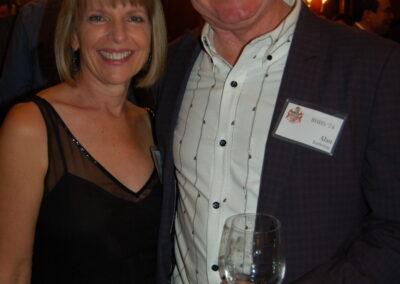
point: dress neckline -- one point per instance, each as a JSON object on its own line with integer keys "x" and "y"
{"x": 85, "y": 153}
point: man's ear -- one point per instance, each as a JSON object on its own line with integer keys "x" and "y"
{"x": 367, "y": 14}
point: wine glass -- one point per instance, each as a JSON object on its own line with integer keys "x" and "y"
{"x": 222, "y": 246}
{"x": 253, "y": 251}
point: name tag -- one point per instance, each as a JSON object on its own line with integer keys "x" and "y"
{"x": 312, "y": 128}
{"x": 156, "y": 154}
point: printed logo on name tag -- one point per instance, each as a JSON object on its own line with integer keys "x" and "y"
{"x": 309, "y": 127}
{"x": 294, "y": 115}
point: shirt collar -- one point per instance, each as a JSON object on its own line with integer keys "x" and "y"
{"x": 360, "y": 26}
{"x": 207, "y": 35}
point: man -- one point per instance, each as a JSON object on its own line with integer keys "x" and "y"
{"x": 374, "y": 16}
{"x": 271, "y": 109}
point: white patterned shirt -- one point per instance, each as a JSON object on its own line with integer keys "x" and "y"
{"x": 219, "y": 143}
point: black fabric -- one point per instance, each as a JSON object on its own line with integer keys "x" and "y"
{"x": 92, "y": 229}
{"x": 45, "y": 45}
{"x": 6, "y": 25}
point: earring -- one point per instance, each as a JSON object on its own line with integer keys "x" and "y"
{"x": 149, "y": 59}
{"x": 75, "y": 61}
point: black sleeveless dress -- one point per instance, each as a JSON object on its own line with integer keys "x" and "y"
{"x": 91, "y": 228}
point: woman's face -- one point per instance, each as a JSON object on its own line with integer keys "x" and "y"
{"x": 114, "y": 43}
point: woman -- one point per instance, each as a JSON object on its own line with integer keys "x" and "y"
{"x": 79, "y": 195}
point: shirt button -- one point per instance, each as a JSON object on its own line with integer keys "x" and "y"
{"x": 215, "y": 267}
{"x": 234, "y": 84}
{"x": 215, "y": 205}
{"x": 222, "y": 142}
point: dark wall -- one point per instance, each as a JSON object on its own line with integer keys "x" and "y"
{"x": 180, "y": 16}
{"x": 396, "y": 7}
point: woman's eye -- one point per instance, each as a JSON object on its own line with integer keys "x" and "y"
{"x": 96, "y": 18}
{"x": 136, "y": 19}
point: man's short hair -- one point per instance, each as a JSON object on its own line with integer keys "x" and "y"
{"x": 364, "y": 5}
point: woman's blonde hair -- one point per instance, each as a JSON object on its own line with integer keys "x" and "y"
{"x": 66, "y": 25}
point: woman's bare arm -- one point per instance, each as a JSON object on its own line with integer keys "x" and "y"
{"x": 23, "y": 165}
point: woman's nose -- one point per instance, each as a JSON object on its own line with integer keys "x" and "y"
{"x": 118, "y": 31}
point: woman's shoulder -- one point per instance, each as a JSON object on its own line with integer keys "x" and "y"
{"x": 24, "y": 119}
{"x": 141, "y": 119}
{"x": 23, "y": 134}
{"x": 140, "y": 114}
{"x": 55, "y": 94}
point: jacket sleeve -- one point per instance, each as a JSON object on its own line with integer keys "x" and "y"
{"x": 374, "y": 256}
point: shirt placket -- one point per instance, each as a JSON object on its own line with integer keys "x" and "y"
{"x": 218, "y": 212}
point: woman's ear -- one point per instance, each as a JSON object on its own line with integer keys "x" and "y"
{"x": 74, "y": 42}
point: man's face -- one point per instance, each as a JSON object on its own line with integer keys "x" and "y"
{"x": 380, "y": 20}
{"x": 232, "y": 14}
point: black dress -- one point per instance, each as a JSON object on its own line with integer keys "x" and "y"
{"x": 91, "y": 228}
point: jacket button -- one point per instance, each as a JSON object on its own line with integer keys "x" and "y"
{"x": 215, "y": 267}
{"x": 222, "y": 142}
{"x": 234, "y": 84}
{"x": 215, "y": 205}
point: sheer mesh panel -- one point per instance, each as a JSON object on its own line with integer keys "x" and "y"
{"x": 66, "y": 155}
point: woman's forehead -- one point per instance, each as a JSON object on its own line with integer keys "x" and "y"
{"x": 84, "y": 4}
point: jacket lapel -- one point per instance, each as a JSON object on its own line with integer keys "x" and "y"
{"x": 300, "y": 82}
{"x": 182, "y": 58}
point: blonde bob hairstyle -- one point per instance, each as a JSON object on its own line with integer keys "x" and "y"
{"x": 66, "y": 25}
